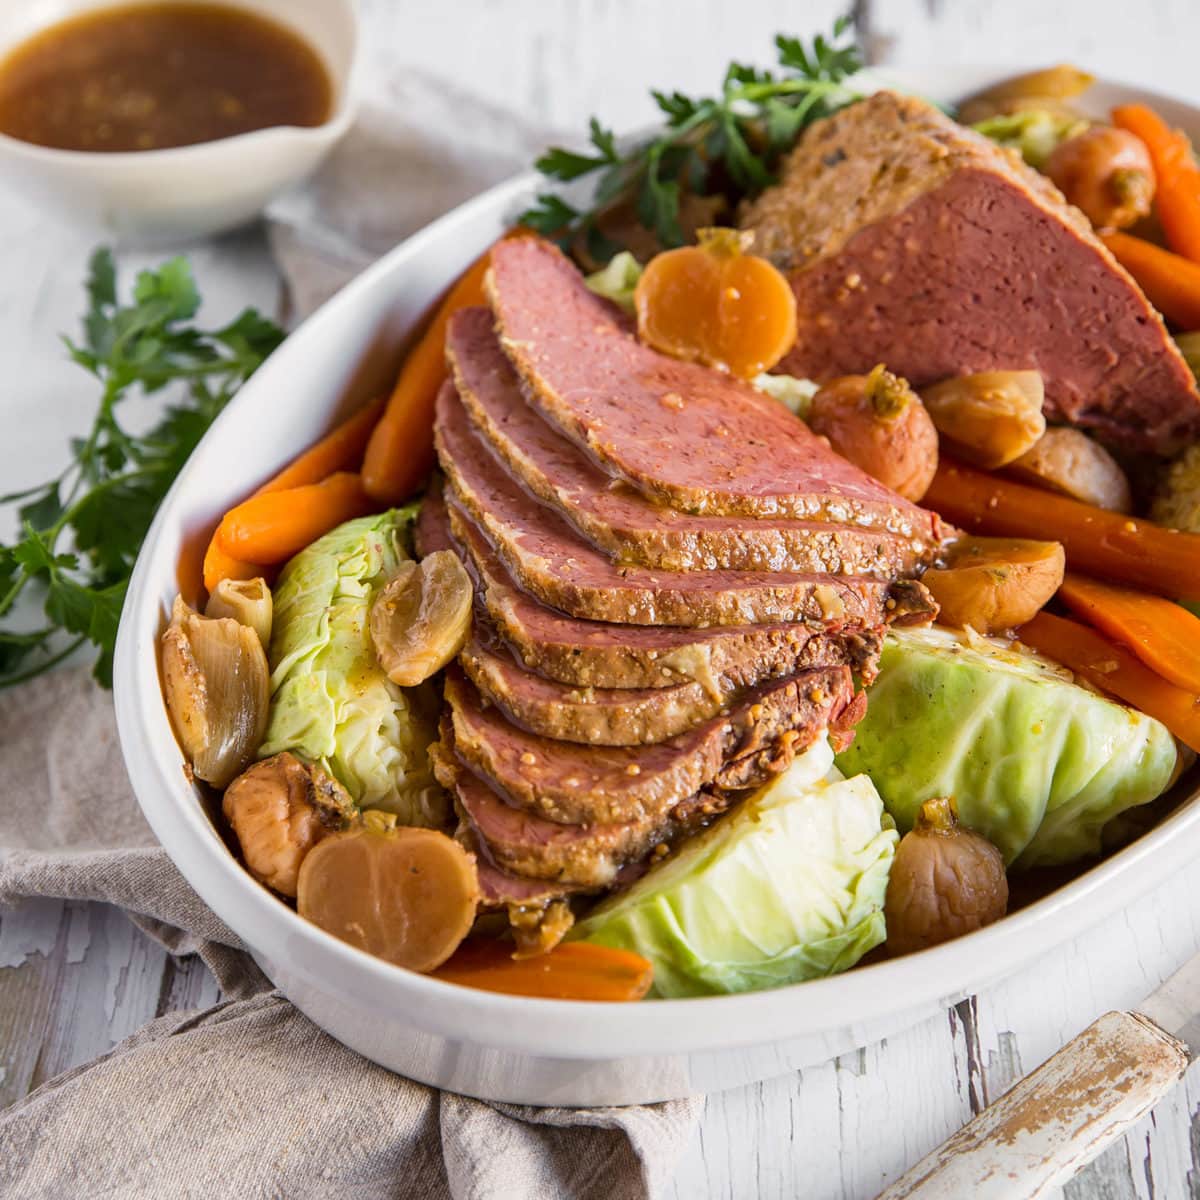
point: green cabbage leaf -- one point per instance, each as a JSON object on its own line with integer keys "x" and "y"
{"x": 788, "y": 886}
{"x": 1036, "y": 763}
{"x": 331, "y": 703}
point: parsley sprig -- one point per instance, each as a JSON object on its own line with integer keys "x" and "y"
{"x": 80, "y": 532}
{"x": 730, "y": 143}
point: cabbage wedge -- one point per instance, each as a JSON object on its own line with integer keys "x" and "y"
{"x": 331, "y": 703}
{"x": 1036, "y": 763}
{"x": 788, "y": 886}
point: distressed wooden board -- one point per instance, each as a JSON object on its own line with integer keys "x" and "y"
{"x": 74, "y": 979}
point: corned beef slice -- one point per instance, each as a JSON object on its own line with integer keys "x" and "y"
{"x": 634, "y": 665}
{"x": 553, "y": 563}
{"x": 589, "y": 853}
{"x": 687, "y": 436}
{"x": 620, "y": 520}
{"x": 565, "y": 783}
{"x": 913, "y": 241}
{"x": 591, "y": 716}
{"x": 593, "y": 654}
{"x": 604, "y": 716}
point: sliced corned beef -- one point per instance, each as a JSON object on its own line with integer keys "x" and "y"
{"x": 688, "y": 436}
{"x": 620, "y": 520}
{"x": 554, "y": 564}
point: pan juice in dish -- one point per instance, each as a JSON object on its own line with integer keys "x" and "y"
{"x": 152, "y": 76}
{"x": 790, "y": 586}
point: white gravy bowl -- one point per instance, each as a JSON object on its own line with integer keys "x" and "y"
{"x": 153, "y": 197}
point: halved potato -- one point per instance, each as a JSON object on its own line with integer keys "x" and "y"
{"x": 1068, "y": 461}
{"x": 994, "y": 584}
{"x": 407, "y": 895}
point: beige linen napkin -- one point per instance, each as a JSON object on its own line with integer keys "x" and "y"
{"x": 249, "y": 1098}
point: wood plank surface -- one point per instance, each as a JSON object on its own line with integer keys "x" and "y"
{"x": 75, "y": 978}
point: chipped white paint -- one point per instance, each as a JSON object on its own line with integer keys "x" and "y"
{"x": 847, "y": 1128}
{"x": 1058, "y": 1117}
{"x": 30, "y": 931}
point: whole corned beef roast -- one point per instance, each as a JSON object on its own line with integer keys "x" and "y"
{"x": 911, "y": 240}
{"x": 678, "y": 588}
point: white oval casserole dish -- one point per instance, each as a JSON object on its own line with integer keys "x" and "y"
{"x": 499, "y": 1047}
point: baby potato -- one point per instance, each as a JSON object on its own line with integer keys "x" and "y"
{"x": 406, "y": 895}
{"x": 1107, "y": 173}
{"x": 994, "y": 584}
{"x": 945, "y": 881}
{"x": 1067, "y": 461}
{"x": 988, "y": 418}
{"x": 879, "y": 423}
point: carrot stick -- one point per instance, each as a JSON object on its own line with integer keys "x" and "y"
{"x": 1170, "y": 281}
{"x": 218, "y": 565}
{"x": 1165, "y": 636}
{"x": 400, "y": 453}
{"x": 340, "y": 450}
{"x": 571, "y": 971}
{"x": 272, "y": 526}
{"x": 1098, "y": 542}
{"x": 1116, "y": 670}
{"x": 1177, "y": 187}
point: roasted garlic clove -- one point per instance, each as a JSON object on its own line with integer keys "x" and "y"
{"x": 989, "y": 418}
{"x": 945, "y": 881}
{"x": 248, "y": 602}
{"x": 421, "y": 619}
{"x": 280, "y": 809}
{"x": 408, "y": 896}
{"x": 218, "y": 691}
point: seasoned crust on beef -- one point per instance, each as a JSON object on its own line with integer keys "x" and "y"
{"x": 527, "y": 846}
{"x": 591, "y": 716}
{"x": 913, "y": 241}
{"x": 574, "y": 784}
{"x": 618, "y": 519}
{"x": 866, "y": 163}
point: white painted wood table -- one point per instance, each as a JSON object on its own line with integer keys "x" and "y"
{"x": 74, "y": 978}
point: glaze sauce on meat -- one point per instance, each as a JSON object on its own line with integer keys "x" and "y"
{"x": 151, "y": 76}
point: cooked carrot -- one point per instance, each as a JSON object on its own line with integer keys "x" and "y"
{"x": 218, "y": 565}
{"x": 272, "y": 526}
{"x": 340, "y": 450}
{"x": 1098, "y": 542}
{"x": 400, "y": 452}
{"x": 716, "y": 304}
{"x": 1116, "y": 670}
{"x": 571, "y": 971}
{"x": 1177, "y": 196}
{"x": 1165, "y": 636}
{"x": 1170, "y": 281}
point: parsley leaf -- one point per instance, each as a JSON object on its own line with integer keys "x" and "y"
{"x": 728, "y": 145}
{"x": 81, "y": 532}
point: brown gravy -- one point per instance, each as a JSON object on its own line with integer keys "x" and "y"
{"x": 149, "y": 76}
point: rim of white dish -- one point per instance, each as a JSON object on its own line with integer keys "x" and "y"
{"x": 332, "y": 127}
{"x": 575, "y": 1030}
